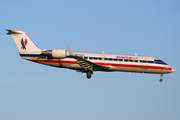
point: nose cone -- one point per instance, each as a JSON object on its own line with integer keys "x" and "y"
{"x": 173, "y": 70}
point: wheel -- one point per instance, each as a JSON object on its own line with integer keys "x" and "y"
{"x": 89, "y": 74}
{"x": 161, "y": 80}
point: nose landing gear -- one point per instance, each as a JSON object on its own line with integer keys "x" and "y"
{"x": 161, "y": 78}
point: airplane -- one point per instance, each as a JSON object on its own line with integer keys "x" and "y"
{"x": 87, "y": 62}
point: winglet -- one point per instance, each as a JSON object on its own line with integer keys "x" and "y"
{"x": 69, "y": 51}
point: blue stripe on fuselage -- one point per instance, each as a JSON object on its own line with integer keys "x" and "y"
{"x": 106, "y": 59}
{"x": 29, "y": 55}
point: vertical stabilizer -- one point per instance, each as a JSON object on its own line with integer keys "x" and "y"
{"x": 22, "y": 40}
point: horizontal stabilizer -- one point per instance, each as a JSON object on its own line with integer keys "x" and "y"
{"x": 12, "y": 32}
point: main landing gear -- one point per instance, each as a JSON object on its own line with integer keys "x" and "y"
{"x": 161, "y": 78}
{"x": 89, "y": 73}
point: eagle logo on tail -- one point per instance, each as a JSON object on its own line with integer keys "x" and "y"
{"x": 24, "y": 43}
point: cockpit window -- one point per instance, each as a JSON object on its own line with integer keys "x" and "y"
{"x": 157, "y": 61}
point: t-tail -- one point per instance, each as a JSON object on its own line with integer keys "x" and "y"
{"x": 22, "y": 40}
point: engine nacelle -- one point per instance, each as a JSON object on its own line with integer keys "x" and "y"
{"x": 58, "y": 53}
{"x": 54, "y": 53}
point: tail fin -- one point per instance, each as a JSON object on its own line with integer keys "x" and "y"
{"x": 23, "y": 42}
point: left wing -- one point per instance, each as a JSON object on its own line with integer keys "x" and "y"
{"x": 86, "y": 64}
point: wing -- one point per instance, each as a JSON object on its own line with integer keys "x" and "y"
{"x": 86, "y": 64}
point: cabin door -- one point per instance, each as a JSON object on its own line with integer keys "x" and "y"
{"x": 144, "y": 65}
{"x": 102, "y": 59}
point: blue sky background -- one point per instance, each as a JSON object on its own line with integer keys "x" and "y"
{"x": 31, "y": 91}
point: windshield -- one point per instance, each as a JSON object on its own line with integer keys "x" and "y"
{"x": 157, "y": 61}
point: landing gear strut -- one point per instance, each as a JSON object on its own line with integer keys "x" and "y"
{"x": 161, "y": 78}
{"x": 89, "y": 74}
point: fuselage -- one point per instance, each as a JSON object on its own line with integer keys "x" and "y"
{"x": 114, "y": 62}
{"x": 87, "y": 62}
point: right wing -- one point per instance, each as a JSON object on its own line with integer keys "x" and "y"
{"x": 86, "y": 64}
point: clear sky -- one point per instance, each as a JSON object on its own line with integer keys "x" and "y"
{"x": 31, "y": 91}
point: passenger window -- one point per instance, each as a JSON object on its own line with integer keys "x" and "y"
{"x": 110, "y": 59}
{"x": 144, "y": 61}
{"x": 90, "y": 58}
{"x": 115, "y": 59}
{"x": 136, "y": 61}
{"x": 130, "y": 60}
{"x": 120, "y": 59}
{"x": 125, "y": 60}
{"x": 150, "y": 61}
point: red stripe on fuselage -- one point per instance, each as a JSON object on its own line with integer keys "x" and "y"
{"x": 103, "y": 64}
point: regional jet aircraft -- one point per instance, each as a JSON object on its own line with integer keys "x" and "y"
{"x": 88, "y": 62}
